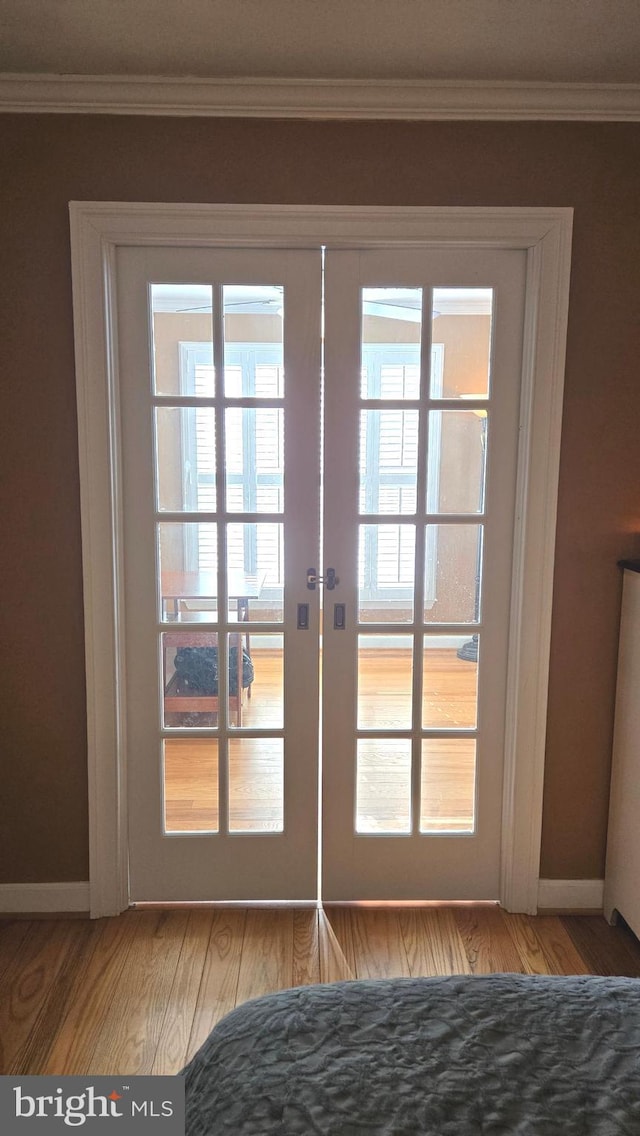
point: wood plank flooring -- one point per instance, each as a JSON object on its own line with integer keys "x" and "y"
{"x": 384, "y": 702}
{"x": 140, "y": 993}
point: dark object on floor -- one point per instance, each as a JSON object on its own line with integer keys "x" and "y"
{"x": 460, "y": 1056}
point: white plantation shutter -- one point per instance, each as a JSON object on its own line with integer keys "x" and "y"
{"x": 269, "y": 459}
{"x": 395, "y": 557}
{"x": 270, "y": 556}
{"x": 398, "y": 380}
{"x": 255, "y": 449}
{"x": 254, "y": 440}
{"x": 269, "y": 379}
{"x": 391, "y": 453}
{"x": 205, "y": 468}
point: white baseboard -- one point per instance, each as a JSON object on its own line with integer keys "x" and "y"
{"x": 20, "y": 899}
{"x": 572, "y": 895}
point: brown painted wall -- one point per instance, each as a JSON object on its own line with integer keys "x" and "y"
{"x": 49, "y": 160}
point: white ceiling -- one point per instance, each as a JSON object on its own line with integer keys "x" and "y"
{"x": 552, "y": 41}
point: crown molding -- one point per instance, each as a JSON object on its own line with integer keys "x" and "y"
{"x": 319, "y": 98}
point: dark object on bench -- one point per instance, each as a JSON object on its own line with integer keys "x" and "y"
{"x": 193, "y": 685}
{"x": 197, "y": 670}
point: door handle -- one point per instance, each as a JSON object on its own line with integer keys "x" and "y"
{"x": 331, "y": 580}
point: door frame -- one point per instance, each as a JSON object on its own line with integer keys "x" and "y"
{"x": 97, "y": 230}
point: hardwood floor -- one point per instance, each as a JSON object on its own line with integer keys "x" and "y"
{"x": 139, "y": 993}
{"x": 384, "y": 702}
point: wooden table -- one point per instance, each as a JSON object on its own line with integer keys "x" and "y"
{"x": 203, "y": 585}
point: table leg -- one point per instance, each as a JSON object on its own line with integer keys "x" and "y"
{"x": 243, "y": 617}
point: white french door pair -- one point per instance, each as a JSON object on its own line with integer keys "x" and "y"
{"x": 318, "y": 486}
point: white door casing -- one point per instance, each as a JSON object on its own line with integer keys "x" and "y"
{"x": 97, "y": 231}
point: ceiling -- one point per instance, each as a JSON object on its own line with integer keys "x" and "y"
{"x": 550, "y": 41}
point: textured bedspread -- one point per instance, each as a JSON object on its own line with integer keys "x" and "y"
{"x": 462, "y": 1056}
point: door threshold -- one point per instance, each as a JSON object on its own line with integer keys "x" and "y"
{"x": 155, "y": 905}
{"x": 410, "y": 903}
{"x": 308, "y": 904}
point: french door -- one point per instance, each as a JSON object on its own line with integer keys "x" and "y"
{"x": 220, "y": 411}
{"x": 318, "y": 485}
{"x": 419, "y": 491}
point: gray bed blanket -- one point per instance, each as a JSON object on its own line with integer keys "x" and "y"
{"x": 460, "y": 1056}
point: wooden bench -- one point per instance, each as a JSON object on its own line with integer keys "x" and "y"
{"x": 176, "y": 702}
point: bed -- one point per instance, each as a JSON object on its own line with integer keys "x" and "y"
{"x": 457, "y": 1056}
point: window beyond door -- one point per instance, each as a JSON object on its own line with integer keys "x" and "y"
{"x": 255, "y": 445}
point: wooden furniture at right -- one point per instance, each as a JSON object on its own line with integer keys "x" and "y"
{"x": 622, "y": 875}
